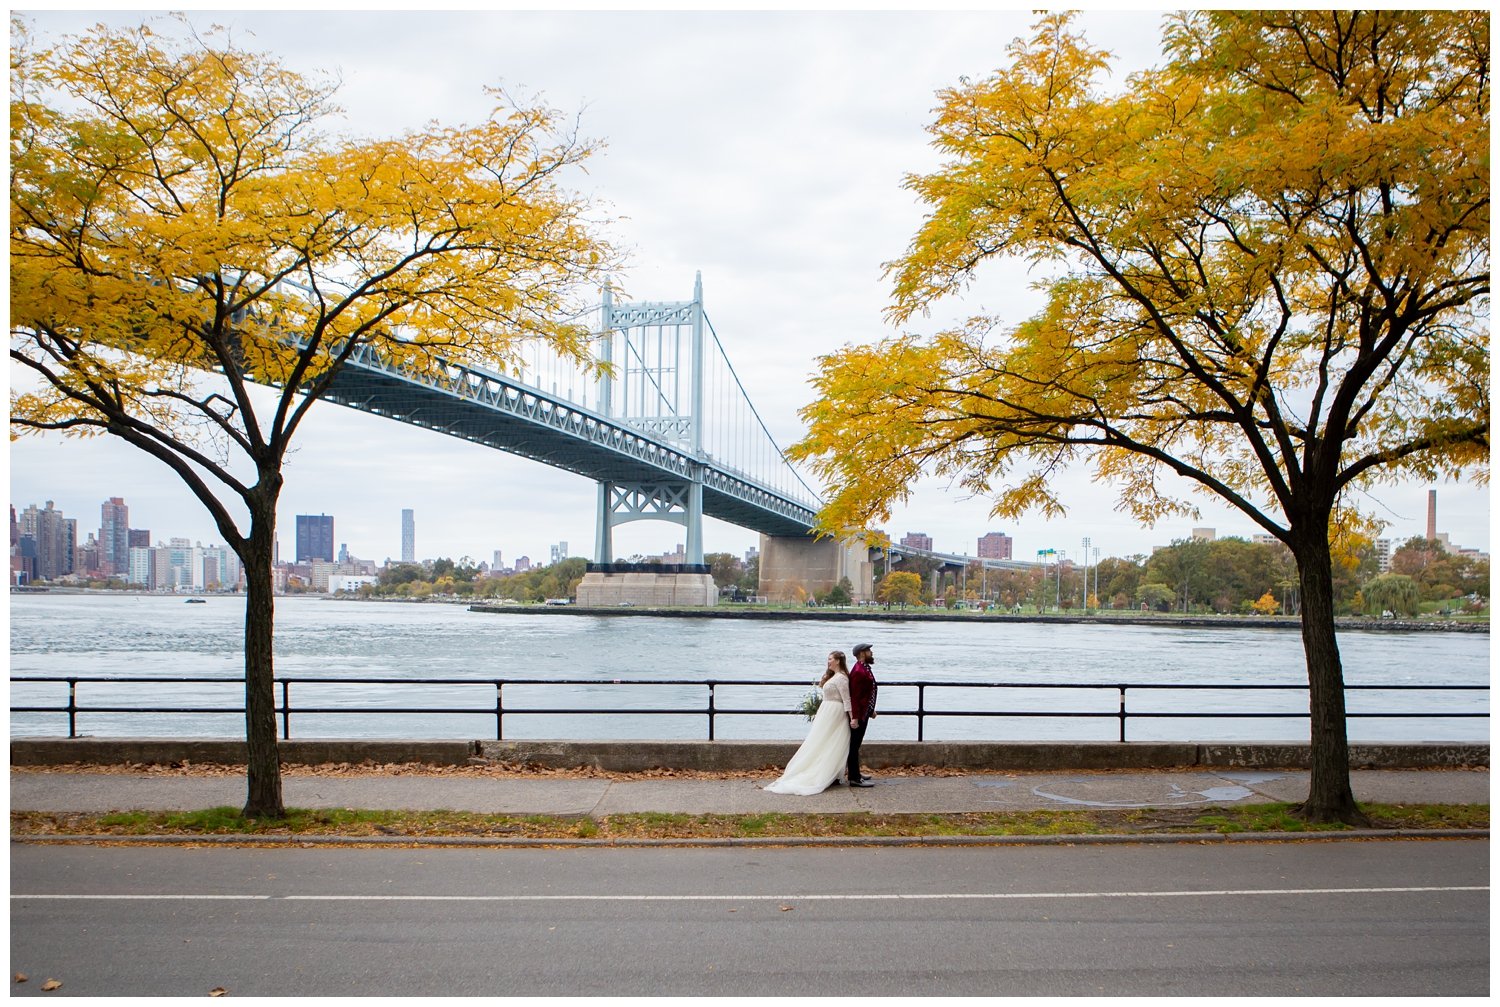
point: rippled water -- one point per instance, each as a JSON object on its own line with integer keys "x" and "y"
{"x": 133, "y": 636}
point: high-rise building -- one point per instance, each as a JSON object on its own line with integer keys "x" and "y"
{"x": 917, "y": 540}
{"x": 995, "y": 545}
{"x": 559, "y": 552}
{"x": 1432, "y": 532}
{"x": 1383, "y": 554}
{"x": 314, "y": 537}
{"x": 114, "y": 537}
{"x": 86, "y": 559}
{"x": 409, "y": 536}
{"x": 141, "y": 566}
{"x": 140, "y": 538}
{"x": 54, "y": 538}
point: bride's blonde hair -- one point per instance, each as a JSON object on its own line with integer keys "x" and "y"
{"x": 842, "y": 669}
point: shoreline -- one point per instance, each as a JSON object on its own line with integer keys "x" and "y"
{"x": 908, "y": 615}
{"x": 864, "y": 614}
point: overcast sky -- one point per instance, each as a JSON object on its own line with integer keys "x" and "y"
{"x": 764, "y": 149}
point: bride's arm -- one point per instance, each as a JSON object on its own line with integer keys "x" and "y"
{"x": 841, "y": 683}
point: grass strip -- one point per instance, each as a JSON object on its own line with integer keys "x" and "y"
{"x": 770, "y": 825}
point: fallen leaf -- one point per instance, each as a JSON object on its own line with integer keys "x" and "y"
{"x": 217, "y": 991}
{"x": 20, "y": 977}
{"x": 50, "y": 985}
{"x": 787, "y": 909}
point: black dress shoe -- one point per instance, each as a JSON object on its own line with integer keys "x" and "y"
{"x": 860, "y": 783}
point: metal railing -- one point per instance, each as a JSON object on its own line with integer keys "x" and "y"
{"x": 285, "y": 710}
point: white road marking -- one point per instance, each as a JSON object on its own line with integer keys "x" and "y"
{"x": 892, "y": 897}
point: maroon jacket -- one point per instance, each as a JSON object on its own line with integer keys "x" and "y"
{"x": 862, "y": 689}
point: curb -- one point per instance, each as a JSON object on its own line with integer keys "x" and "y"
{"x": 501, "y": 842}
{"x": 756, "y": 755}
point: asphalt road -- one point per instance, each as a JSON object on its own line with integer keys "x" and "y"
{"x": 1329, "y": 918}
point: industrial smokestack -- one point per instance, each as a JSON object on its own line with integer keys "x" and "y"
{"x": 1432, "y": 515}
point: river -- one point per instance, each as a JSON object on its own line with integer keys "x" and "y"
{"x": 132, "y": 636}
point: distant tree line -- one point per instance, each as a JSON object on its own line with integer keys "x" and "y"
{"x": 463, "y": 578}
{"x": 1223, "y": 576}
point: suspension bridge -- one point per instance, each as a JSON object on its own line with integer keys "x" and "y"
{"x": 667, "y": 431}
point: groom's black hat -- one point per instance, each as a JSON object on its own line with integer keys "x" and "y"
{"x": 860, "y": 648}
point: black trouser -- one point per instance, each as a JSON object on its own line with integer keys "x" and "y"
{"x": 856, "y": 735}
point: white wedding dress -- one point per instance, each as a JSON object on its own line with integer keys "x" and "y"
{"x": 825, "y": 753}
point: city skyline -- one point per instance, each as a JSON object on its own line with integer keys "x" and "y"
{"x": 1417, "y": 526}
{"x": 791, "y": 261}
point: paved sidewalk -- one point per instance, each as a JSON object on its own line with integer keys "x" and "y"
{"x": 1084, "y": 790}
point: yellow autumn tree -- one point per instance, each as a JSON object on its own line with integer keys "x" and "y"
{"x": 899, "y": 588}
{"x": 185, "y": 226}
{"x": 1266, "y": 271}
{"x": 1266, "y": 605}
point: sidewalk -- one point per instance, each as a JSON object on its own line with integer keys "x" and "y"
{"x": 892, "y": 794}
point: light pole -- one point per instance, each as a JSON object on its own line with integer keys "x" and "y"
{"x": 1085, "y": 575}
{"x": 1041, "y": 600}
{"x": 1062, "y": 554}
{"x": 1096, "y": 576}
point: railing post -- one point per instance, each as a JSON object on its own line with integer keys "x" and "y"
{"x": 72, "y": 707}
{"x": 286, "y": 710}
{"x": 921, "y": 707}
{"x": 499, "y": 711}
{"x": 1122, "y": 713}
{"x": 711, "y": 685}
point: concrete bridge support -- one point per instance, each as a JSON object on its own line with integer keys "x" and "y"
{"x": 796, "y": 568}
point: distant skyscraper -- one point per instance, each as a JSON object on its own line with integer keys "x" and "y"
{"x": 559, "y": 552}
{"x": 314, "y": 537}
{"x": 409, "y": 536}
{"x": 995, "y": 545}
{"x": 140, "y": 538}
{"x": 1432, "y": 515}
{"x": 917, "y": 540}
{"x": 54, "y": 538}
{"x": 114, "y": 537}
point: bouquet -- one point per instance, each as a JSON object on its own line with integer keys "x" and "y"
{"x": 810, "y": 704}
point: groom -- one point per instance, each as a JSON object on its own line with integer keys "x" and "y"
{"x": 862, "y": 691}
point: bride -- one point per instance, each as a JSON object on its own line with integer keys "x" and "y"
{"x": 824, "y": 754}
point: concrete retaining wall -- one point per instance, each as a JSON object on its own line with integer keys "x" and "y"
{"x": 719, "y": 756}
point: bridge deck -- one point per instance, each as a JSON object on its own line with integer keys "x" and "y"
{"x": 498, "y": 413}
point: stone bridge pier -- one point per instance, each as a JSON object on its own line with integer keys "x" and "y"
{"x": 790, "y": 563}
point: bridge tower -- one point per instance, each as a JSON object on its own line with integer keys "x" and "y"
{"x": 655, "y": 351}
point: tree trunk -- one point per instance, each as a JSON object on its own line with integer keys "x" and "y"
{"x": 263, "y": 768}
{"x": 1329, "y": 796}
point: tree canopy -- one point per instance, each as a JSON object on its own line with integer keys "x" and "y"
{"x": 177, "y": 209}
{"x": 1266, "y": 269}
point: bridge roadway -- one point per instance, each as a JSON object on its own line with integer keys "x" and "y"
{"x": 486, "y": 407}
